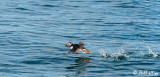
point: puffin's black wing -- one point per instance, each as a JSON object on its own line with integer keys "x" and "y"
{"x": 82, "y": 45}
{"x": 74, "y": 49}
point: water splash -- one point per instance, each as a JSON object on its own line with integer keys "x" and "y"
{"x": 151, "y": 52}
{"x": 120, "y": 55}
{"x": 103, "y": 53}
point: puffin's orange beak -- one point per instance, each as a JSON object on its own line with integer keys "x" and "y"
{"x": 66, "y": 45}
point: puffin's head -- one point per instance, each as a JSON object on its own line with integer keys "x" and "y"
{"x": 68, "y": 44}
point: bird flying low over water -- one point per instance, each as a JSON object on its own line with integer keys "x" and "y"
{"x": 77, "y": 48}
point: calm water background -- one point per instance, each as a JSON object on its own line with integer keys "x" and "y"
{"x": 123, "y": 36}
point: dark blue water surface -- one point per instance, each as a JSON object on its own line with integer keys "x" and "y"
{"x": 123, "y": 36}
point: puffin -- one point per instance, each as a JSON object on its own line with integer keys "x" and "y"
{"x": 77, "y": 48}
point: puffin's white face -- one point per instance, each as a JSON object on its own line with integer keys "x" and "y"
{"x": 69, "y": 44}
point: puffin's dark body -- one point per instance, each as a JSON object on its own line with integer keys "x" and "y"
{"x": 77, "y": 47}
{"x": 74, "y": 48}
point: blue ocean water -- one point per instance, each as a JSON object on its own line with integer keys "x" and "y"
{"x": 123, "y": 36}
